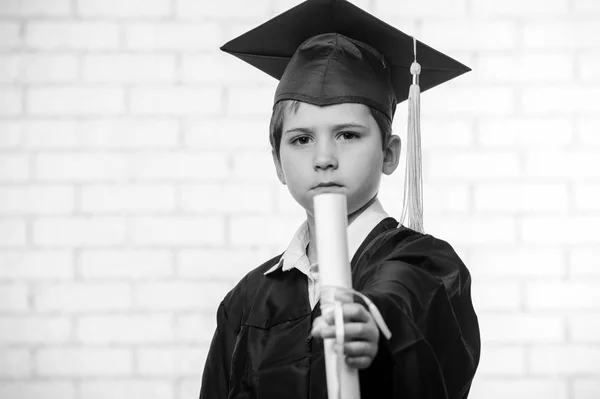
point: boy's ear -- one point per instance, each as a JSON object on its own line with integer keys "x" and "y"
{"x": 391, "y": 154}
{"x": 278, "y": 167}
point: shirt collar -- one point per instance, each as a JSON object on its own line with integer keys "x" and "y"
{"x": 358, "y": 230}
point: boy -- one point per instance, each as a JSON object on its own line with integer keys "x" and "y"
{"x": 340, "y": 80}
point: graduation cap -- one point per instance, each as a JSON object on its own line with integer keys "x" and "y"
{"x": 326, "y": 52}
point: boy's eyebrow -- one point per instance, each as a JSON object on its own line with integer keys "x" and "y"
{"x": 335, "y": 127}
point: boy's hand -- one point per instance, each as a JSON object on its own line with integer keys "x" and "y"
{"x": 360, "y": 332}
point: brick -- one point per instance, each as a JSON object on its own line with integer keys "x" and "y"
{"x": 589, "y": 64}
{"x": 445, "y": 198}
{"x": 453, "y": 101}
{"x": 516, "y": 8}
{"x": 180, "y": 166}
{"x": 531, "y": 198}
{"x": 34, "y": 389}
{"x": 578, "y": 230}
{"x": 586, "y": 7}
{"x": 35, "y": 8}
{"x": 551, "y": 100}
{"x": 502, "y": 360}
{"x": 219, "y": 264}
{"x": 177, "y": 101}
{"x": 170, "y": 361}
{"x": 10, "y": 34}
{"x": 288, "y": 206}
{"x": 178, "y": 231}
{"x": 563, "y": 295}
{"x": 221, "y": 68}
{"x": 520, "y": 328}
{"x": 173, "y": 36}
{"x": 81, "y": 167}
{"x": 129, "y": 68}
{"x": 130, "y": 328}
{"x": 196, "y": 328}
{"x": 49, "y": 68}
{"x": 50, "y": 133}
{"x": 251, "y": 101}
{"x": 271, "y": 230}
{"x": 93, "y": 231}
{"x": 469, "y": 35}
{"x": 584, "y": 263}
{"x": 14, "y": 363}
{"x": 258, "y": 9}
{"x": 11, "y": 135}
{"x": 254, "y": 166}
{"x": 217, "y": 134}
{"x": 36, "y": 199}
{"x": 577, "y": 164}
{"x": 584, "y": 328}
{"x": 284, "y": 5}
{"x": 127, "y": 198}
{"x": 204, "y": 296}
{"x": 569, "y": 34}
{"x": 11, "y": 101}
{"x": 14, "y": 167}
{"x": 72, "y": 35}
{"x": 119, "y": 8}
{"x": 9, "y": 68}
{"x": 496, "y": 296}
{"x": 423, "y": 8}
{"x": 14, "y": 298}
{"x": 36, "y": 265}
{"x": 78, "y": 297}
{"x": 34, "y": 329}
{"x": 129, "y": 133}
{"x": 126, "y": 264}
{"x": 12, "y": 233}
{"x": 442, "y": 133}
{"x": 61, "y": 101}
{"x": 473, "y": 230}
{"x": 586, "y": 197}
{"x": 188, "y": 387}
{"x": 126, "y": 389}
{"x": 519, "y": 388}
{"x": 586, "y": 389}
{"x": 528, "y": 133}
{"x": 564, "y": 360}
{"x": 588, "y": 131}
{"x": 225, "y": 198}
{"x": 469, "y": 165}
{"x": 517, "y": 263}
{"x": 80, "y": 362}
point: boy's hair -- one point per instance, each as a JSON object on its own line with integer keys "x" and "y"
{"x": 276, "y": 125}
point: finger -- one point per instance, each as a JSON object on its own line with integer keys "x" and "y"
{"x": 360, "y": 349}
{"x": 361, "y": 362}
{"x": 353, "y": 331}
{"x": 318, "y": 325}
{"x": 352, "y": 312}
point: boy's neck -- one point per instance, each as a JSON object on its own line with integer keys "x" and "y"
{"x": 311, "y": 250}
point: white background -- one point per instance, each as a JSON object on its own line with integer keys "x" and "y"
{"x": 136, "y": 187}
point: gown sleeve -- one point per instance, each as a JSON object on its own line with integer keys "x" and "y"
{"x": 423, "y": 293}
{"x": 215, "y": 379}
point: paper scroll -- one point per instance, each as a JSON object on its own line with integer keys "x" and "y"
{"x": 331, "y": 223}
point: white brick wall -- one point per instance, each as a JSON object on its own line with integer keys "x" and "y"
{"x": 135, "y": 171}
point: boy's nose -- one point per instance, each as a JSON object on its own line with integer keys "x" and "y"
{"x": 325, "y": 157}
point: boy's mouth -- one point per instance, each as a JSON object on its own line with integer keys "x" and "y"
{"x": 328, "y": 184}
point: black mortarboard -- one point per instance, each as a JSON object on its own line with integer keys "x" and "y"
{"x": 330, "y": 51}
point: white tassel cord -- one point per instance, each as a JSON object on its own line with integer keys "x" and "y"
{"x": 412, "y": 206}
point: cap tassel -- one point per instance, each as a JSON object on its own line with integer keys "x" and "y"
{"x": 412, "y": 207}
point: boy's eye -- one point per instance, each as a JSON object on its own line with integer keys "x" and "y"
{"x": 348, "y": 135}
{"x": 301, "y": 140}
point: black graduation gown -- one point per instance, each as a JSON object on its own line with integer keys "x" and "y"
{"x": 261, "y": 347}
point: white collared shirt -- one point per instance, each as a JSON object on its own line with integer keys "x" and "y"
{"x": 295, "y": 255}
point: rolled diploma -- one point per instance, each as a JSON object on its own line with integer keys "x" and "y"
{"x": 331, "y": 224}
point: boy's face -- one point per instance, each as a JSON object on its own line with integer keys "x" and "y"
{"x": 335, "y": 148}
